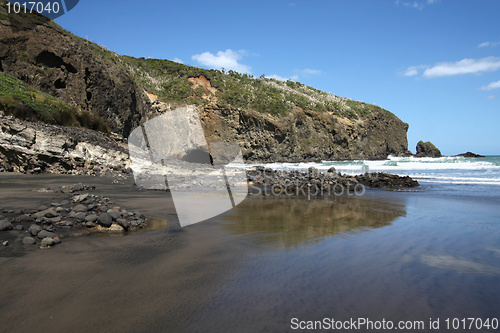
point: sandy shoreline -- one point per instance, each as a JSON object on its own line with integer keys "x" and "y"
{"x": 399, "y": 255}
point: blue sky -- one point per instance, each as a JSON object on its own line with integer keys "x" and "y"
{"x": 433, "y": 63}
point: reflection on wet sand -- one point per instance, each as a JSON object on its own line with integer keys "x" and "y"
{"x": 292, "y": 221}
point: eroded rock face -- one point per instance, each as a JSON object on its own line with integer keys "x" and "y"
{"x": 427, "y": 149}
{"x": 73, "y": 70}
{"x": 32, "y": 147}
{"x": 305, "y": 135}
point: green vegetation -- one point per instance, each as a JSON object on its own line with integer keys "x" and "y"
{"x": 22, "y": 101}
{"x": 169, "y": 81}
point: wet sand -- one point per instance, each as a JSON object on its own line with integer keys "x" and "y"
{"x": 392, "y": 255}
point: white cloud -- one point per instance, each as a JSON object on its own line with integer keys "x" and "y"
{"x": 411, "y": 71}
{"x": 486, "y": 44}
{"x": 228, "y": 60}
{"x": 178, "y": 60}
{"x": 308, "y": 71}
{"x": 281, "y": 78}
{"x": 491, "y": 97}
{"x": 464, "y": 66}
{"x": 491, "y": 86}
{"x": 416, "y": 4}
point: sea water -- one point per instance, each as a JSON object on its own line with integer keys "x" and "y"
{"x": 447, "y": 170}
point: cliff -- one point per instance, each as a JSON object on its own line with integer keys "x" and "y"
{"x": 271, "y": 120}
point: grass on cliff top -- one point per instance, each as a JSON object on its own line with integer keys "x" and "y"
{"x": 25, "y": 102}
{"x": 169, "y": 81}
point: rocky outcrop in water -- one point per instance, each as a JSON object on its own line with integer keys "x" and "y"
{"x": 427, "y": 149}
{"x": 470, "y": 154}
{"x": 312, "y": 182}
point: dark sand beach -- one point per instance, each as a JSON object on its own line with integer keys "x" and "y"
{"x": 385, "y": 255}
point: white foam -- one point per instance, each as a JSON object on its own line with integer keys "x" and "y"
{"x": 453, "y": 170}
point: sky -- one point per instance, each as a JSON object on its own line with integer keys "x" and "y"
{"x": 433, "y": 63}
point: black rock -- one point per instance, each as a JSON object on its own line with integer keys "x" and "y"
{"x": 105, "y": 220}
{"x": 90, "y": 224}
{"x": 80, "y": 217}
{"x": 23, "y": 218}
{"x": 114, "y": 214}
{"x": 103, "y": 208}
{"x": 123, "y": 223}
{"x": 19, "y": 227}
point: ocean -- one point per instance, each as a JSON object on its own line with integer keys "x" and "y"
{"x": 446, "y": 170}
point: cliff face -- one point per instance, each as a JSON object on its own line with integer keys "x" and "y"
{"x": 270, "y": 120}
{"x": 305, "y": 135}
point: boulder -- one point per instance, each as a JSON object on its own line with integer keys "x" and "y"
{"x": 44, "y": 234}
{"x": 91, "y": 218}
{"x": 114, "y": 214}
{"x": 34, "y": 229}
{"x": 49, "y": 212}
{"x": 28, "y": 241}
{"x": 46, "y": 242}
{"x": 427, "y": 149}
{"x": 80, "y": 208}
{"x": 105, "y": 220}
{"x": 5, "y": 225}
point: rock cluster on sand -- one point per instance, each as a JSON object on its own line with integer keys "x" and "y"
{"x": 314, "y": 182}
{"x": 79, "y": 212}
